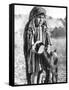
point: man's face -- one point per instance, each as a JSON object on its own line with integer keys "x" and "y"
{"x": 39, "y": 20}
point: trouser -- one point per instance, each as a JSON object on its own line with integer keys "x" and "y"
{"x": 47, "y": 76}
{"x": 29, "y": 78}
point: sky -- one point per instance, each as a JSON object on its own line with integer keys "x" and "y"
{"x": 51, "y": 11}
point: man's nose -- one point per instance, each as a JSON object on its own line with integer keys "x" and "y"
{"x": 41, "y": 20}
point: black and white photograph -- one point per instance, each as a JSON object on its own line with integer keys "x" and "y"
{"x": 40, "y": 44}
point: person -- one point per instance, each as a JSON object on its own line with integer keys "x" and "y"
{"x": 35, "y": 31}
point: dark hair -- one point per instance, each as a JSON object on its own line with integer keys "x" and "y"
{"x": 36, "y": 11}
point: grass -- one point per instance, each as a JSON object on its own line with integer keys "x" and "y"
{"x": 60, "y": 45}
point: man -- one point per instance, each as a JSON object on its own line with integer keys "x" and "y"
{"x": 35, "y": 31}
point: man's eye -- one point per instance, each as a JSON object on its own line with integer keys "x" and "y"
{"x": 41, "y": 17}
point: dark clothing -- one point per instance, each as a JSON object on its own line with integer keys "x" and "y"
{"x": 31, "y": 35}
{"x": 28, "y": 45}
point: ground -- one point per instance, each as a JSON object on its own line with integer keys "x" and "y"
{"x": 20, "y": 67}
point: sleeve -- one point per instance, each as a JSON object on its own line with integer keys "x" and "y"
{"x": 47, "y": 41}
{"x": 27, "y": 39}
{"x": 48, "y": 37}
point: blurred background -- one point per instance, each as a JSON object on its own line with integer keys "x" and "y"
{"x": 56, "y": 21}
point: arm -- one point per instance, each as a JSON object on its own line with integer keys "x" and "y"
{"x": 48, "y": 42}
{"x": 48, "y": 37}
